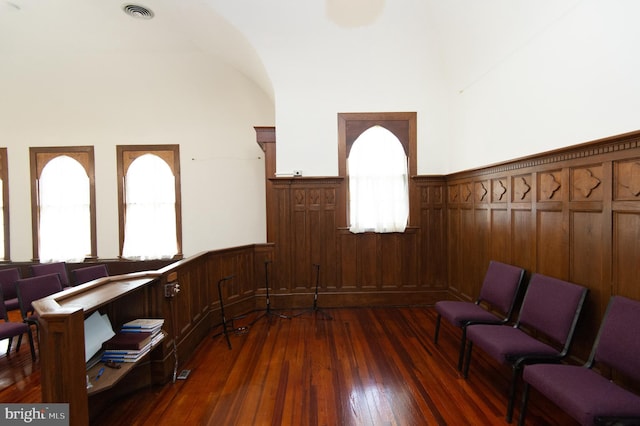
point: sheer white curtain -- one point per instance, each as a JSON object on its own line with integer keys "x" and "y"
{"x": 378, "y": 183}
{"x": 65, "y": 216}
{"x": 150, "y": 220}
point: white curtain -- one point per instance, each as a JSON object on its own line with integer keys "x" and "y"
{"x": 65, "y": 216}
{"x": 378, "y": 183}
{"x": 150, "y": 221}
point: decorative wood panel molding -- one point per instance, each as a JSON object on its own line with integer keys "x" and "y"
{"x": 481, "y": 192}
{"x": 454, "y": 193}
{"x": 549, "y": 185}
{"x": 585, "y": 183}
{"x": 521, "y": 188}
{"x": 628, "y": 180}
{"x": 620, "y": 145}
{"x": 466, "y": 192}
{"x": 499, "y": 190}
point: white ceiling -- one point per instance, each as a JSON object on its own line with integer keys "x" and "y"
{"x": 472, "y": 36}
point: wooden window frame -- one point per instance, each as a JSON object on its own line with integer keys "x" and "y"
{"x": 125, "y": 155}
{"x": 39, "y": 158}
{"x": 4, "y": 175}
{"x": 402, "y": 124}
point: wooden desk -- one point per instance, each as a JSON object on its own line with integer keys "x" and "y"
{"x": 62, "y": 348}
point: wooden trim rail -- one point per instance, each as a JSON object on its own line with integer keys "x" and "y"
{"x": 61, "y": 330}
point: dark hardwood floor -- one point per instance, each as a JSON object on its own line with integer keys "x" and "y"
{"x": 363, "y": 367}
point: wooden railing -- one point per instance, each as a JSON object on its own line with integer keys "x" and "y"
{"x": 189, "y": 316}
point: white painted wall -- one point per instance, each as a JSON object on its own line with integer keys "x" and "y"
{"x": 320, "y": 68}
{"x": 575, "y": 81}
{"x": 106, "y": 100}
{"x": 491, "y": 81}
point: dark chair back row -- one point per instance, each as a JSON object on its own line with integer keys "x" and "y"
{"x": 540, "y": 338}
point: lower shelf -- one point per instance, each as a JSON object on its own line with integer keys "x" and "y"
{"x": 111, "y": 376}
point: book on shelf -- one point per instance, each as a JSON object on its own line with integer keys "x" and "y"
{"x": 120, "y": 357}
{"x": 128, "y": 341}
{"x": 144, "y": 323}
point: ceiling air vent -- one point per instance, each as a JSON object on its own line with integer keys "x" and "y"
{"x": 136, "y": 11}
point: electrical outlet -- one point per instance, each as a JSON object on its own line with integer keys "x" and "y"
{"x": 171, "y": 289}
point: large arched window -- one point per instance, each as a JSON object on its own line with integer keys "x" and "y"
{"x": 149, "y": 207}
{"x": 62, "y": 202}
{"x": 378, "y": 182}
{"x": 377, "y": 157}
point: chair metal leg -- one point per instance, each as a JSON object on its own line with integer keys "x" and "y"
{"x": 467, "y": 360}
{"x": 525, "y": 401}
{"x": 512, "y": 392}
{"x": 463, "y": 344}
{"x": 33, "y": 351}
{"x": 437, "y": 332}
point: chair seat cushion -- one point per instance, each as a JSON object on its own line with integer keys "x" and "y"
{"x": 458, "y": 313}
{"x": 12, "y": 304}
{"x": 10, "y": 329}
{"x": 505, "y": 343}
{"x": 581, "y": 392}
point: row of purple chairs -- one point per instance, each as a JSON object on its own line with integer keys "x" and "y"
{"x": 19, "y": 293}
{"x": 537, "y": 342}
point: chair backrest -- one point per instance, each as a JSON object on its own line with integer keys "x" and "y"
{"x": 501, "y": 286}
{"x": 52, "y": 268}
{"x": 552, "y": 306}
{"x": 618, "y": 342}
{"x": 3, "y": 309}
{"x": 34, "y": 288}
{"x": 8, "y": 278}
{"x": 89, "y": 273}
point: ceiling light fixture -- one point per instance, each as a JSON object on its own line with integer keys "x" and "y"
{"x": 138, "y": 12}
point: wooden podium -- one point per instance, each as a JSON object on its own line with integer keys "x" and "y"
{"x": 62, "y": 341}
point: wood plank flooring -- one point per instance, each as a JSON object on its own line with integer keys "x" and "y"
{"x": 362, "y": 367}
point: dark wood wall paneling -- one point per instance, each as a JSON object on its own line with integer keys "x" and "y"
{"x": 572, "y": 213}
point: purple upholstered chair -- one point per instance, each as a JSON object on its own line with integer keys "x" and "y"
{"x": 495, "y": 304}
{"x": 52, "y": 268}
{"x": 34, "y": 288}
{"x": 89, "y": 273}
{"x": 551, "y": 307}
{"x": 10, "y": 329}
{"x": 583, "y": 393}
{"x": 8, "y": 278}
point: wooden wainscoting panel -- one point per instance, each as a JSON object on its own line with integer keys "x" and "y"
{"x": 500, "y": 237}
{"x": 552, "y": 244}
{"x": 523, "y": 238}
{"x": 454, "y": 242}
{"x": 626, "y": 252}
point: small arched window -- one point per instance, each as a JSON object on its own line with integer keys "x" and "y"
{"x": 378, "y": 182}
{"x": 150, "y": 211}
{"x": 64, "y": 211}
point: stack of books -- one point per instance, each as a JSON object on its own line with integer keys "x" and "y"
{"x": 134, "y": 340}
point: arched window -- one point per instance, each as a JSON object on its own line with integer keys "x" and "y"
{"x": 378, "y": 182}
{"x": 377, "y": 157}
{"x": 63, "y": 209}
{"x": 149, "y": 207}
